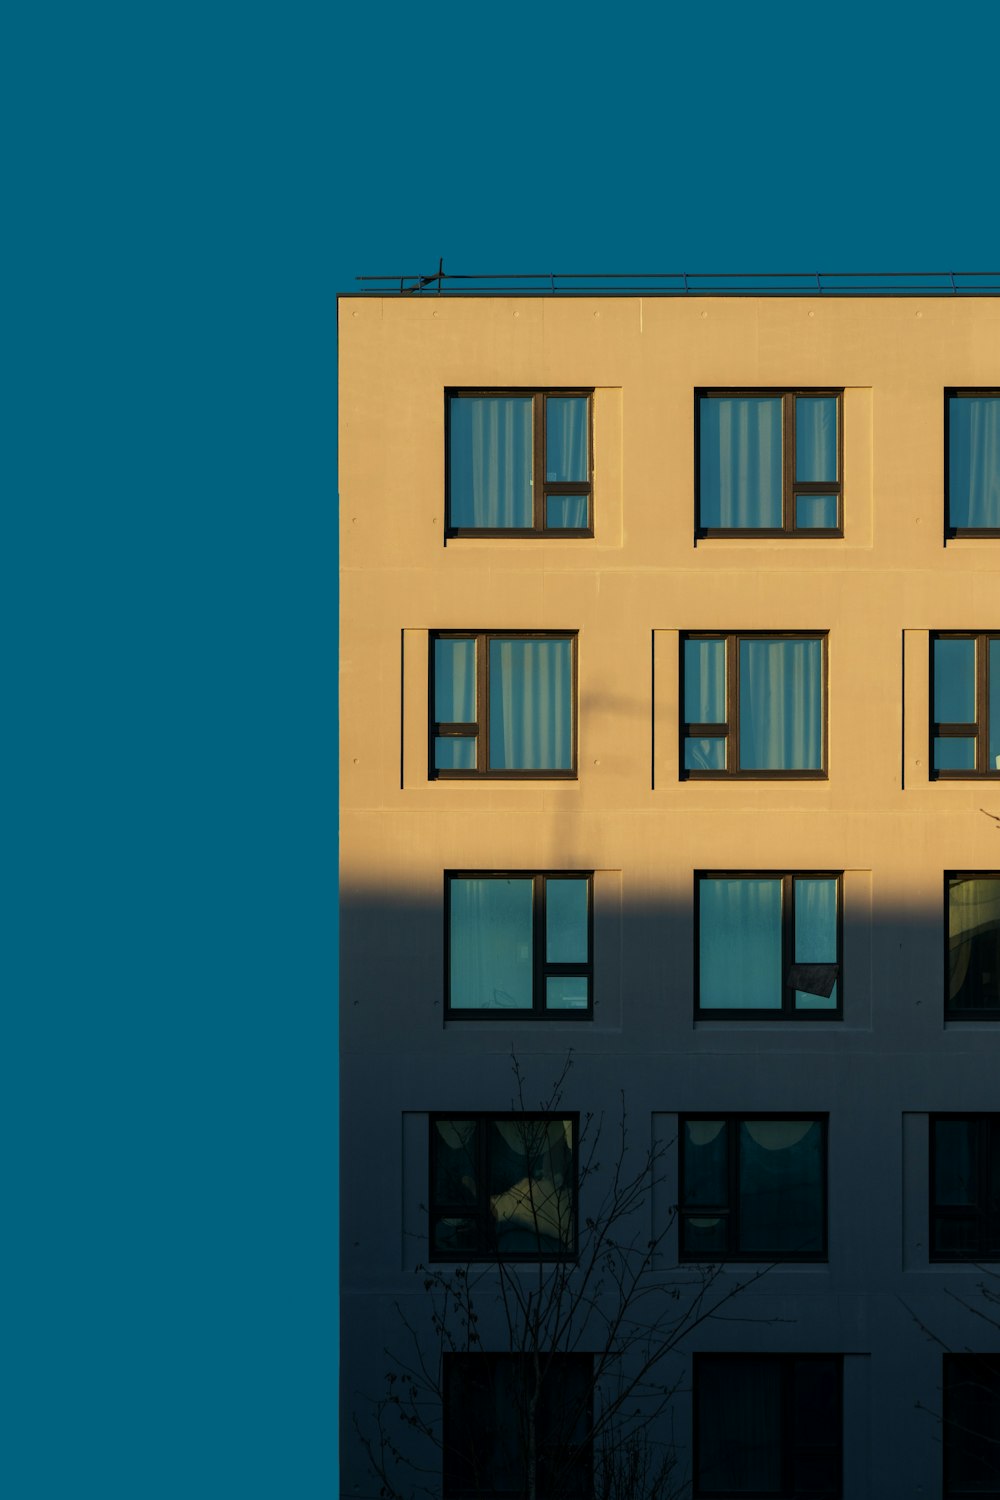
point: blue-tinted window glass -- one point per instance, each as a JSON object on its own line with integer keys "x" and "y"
{"x": 706, "y": 1180}
{"x": 740, "y": 944}
{"x": 531, "y": 705}
{"x": 781, "y": 705}
{"x": 566, "y": 512}
{"x": 781, "y": 1186}
{"x": 705, "y": 755}
{"x": 954, "y": 754}
{"x": 566, "y": 992}
{"x": 567, "y": 445}
{"x": 994, "y": 716}
{"x": 704, "y": 682}
{"x": 490, "y": 461}
{"x": 954, "y": 682}
{"x": 566, "y": 921}
{"x": 974, "y": 462}
{"x": 491, "y": 944}
{"x": 454, "y": 754}
{"x": 956, "y": 1162}
{"x": 455, "y": 682}
{"x": 816, "y": 512}
{"x": 740, "y": 472}
{"x": 815, "y": 934}
{"x": 816, "y": 438}
{"x": 739, "y": 1414}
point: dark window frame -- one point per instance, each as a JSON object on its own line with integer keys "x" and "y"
{"x": 954, "y": 1012}
{"x": 729, "y": 730}
{"x": 541, "y": 967}
{"x": 787, "y": 1012}
{"x": 958, "y": 1370}
{"x": 978, "y": 729}
{"x": 487, "y": 1250}
{"x": 730, "y": 1211}
{"x": 561, "y": 1370}
{"x": 539, "y": 395}
{"x": 790, "y": 486}
{"x": 957, "y": 393}
{"x": 479, "y": 730}
{"x": 788, "y": 1446}
{"x": 988, "y": 1221}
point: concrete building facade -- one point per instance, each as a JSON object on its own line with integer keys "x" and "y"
{"x": 667, "y": 635}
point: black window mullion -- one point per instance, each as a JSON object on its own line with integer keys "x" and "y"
{"x": 539, "y": 459}
{"x": 733, "y": 703}
{"x": 539, "y": 945}
{"x": 788, "y": 462}
{"x": 482, "y": 704}
{"x": 983, "y": 703}
{"x": 787, "y": 941}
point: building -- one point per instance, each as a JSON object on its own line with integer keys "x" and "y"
{"x": 685, "y": 756}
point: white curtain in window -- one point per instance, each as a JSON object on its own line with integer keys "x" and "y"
{"x": 781, "y": 705}
{"x": 974, "y": 446}
{"x": 531, "y": 705}
{"x": 741, "y": 475}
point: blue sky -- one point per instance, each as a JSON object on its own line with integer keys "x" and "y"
{"x": 187, "y": 190}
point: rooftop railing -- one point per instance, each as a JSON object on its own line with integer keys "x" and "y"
{"x": 689, "y": 284}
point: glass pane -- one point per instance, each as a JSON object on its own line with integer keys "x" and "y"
{"x": 815, "y": 512}
{"x": 781, "y": 1187}
{"x": 454, "y": 754}
{"x": 974, "y": 943}
{"x": 954, "y": 682}
{"x": 972, "y": 1407}
{"x": 957, "y": 1235}
{"x": 530, "y": 1184}
{"x": 704, "y": 682}
{"x": 954, "y": 754}
{"x": 491, "y": 952}
{"x": 566, "y": 992}
{"x": 956, "y": 1163}
{"x": 739, "y": 1419}
{"x": 490, "y": 461}
{"x": 566, "y": 905}
{"x": 740, "y": 474}
{"x": 567, "y": 445}
{"x": 706, "y": 1178}
{"x": 974, "y": 461}
{"x": 815, "y": 934}
{"x": 816, "y": 438}
{"x": 994, "y": 719}
{"x": 455, "y": 681}
{"x": 740, "y": 944}
{"x": 455, "y": 1170}
{"x": 704, "y": 1236}
{"x": 781, "y": 705}
{"x": 705, "y": 755}
{"x": 816, "y": 1410}
{"x": 565, "y": 512}
{"x": 531, "y": 705}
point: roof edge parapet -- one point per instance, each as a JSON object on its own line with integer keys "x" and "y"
{"x": 688, "y": 284}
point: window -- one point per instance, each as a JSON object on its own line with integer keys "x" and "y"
{"x": 486, "y": 1403}
{"x": 769, "y": 946}
{"x": 519, "y": 945}
{"x": 965, "y": 1187}
{"x": 972, "y": 462}
{"x": 972, "y": 979}
{"x": 519, "y": 463}
{"x": 965, "y": 728}
{"x": 503, "y": 704}
{"x": 503, "y": 1187}
{"x": 753, "y": 1188}
{"x": 769, "y": 463}
{"x": 768, "y": 1425}
{"x": 754, "y": 705}
{"x": 970, "y": 1426}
